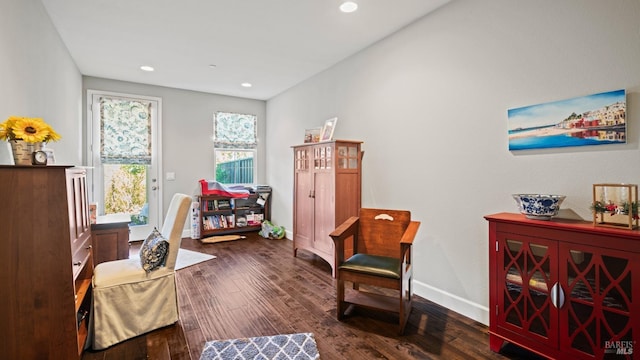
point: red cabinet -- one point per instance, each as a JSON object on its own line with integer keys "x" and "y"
{"x": 564, "y": 289}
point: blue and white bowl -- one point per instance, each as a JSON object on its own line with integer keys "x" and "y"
{"x": 539, "y": 206}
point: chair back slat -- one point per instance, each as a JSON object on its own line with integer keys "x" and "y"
{"x": 381, "y": 231}
{"x": 173, "y": 225}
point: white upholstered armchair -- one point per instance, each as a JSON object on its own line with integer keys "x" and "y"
{"x": 129, "y": 301}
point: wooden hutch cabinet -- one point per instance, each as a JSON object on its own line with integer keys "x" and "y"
{"x": 564, "y": 289}
{"x": 327, "y": 182}
{"x": 46, "y": 263}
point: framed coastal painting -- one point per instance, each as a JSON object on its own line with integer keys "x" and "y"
{"x": 596, "y": 119}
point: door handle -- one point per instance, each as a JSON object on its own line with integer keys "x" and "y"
{"x": 154, "y": 188}
{"x": 557, "y": 296}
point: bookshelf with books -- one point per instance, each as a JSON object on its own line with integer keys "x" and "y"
{"x": 226, "y": 215}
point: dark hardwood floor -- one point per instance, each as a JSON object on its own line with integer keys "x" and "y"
{"x": 256, "y": 287}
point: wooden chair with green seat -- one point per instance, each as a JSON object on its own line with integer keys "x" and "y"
{"x": 374, "y": 249}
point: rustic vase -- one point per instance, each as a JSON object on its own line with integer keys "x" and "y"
{"x": 22, "y": 151}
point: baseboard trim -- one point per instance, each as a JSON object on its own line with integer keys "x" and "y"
{"x": 453, "y": 302}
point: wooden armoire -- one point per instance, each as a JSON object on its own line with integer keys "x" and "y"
{"x": 45, "y": 262}
{"x": 327, "y": 183}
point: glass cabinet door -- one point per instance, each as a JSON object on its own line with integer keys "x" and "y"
{"x": 596, "y": 318}
{"x": 348, "y": 156}
{"x": 302, "y": 159}
{"x": 322, "y": 158}
{"x": 528, "y": 283}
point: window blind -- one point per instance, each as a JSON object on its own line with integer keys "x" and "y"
{"x": 125, "y": 127}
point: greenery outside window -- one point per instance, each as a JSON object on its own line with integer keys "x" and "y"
{"x": 235, "y": 146}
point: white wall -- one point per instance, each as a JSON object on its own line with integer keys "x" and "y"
{"x": 430, "y": 103}
{"x": 187, "y": 127}
{"x": 38, "y": 78}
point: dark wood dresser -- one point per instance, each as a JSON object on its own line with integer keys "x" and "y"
{"x": 45, "y": 263}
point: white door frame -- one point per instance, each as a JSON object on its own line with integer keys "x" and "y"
{"x": 93, "y": 138}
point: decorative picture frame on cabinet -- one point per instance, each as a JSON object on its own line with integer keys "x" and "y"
{"x": 615, "y": 205}
{"x": 312, "y": 135}
{"x": 328, "y": 128}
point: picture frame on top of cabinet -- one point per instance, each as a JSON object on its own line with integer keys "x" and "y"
{"x": 312, "y": 135}
{"x": 328, "y": 128}
{"x": 615, "y": 205}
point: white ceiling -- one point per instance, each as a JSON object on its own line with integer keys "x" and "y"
{"x": 272, "y": 44}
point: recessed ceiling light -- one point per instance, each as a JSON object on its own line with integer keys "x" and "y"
{"x": 146, "y": 68}
{"x": 348, "y": 7}
{"x": 246, "y": 84}
{"x": 212, "y": 66}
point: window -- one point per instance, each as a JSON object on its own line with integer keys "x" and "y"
{"x": 235, "y": 143}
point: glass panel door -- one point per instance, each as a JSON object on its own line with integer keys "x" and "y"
{"x": 124, "y": 158}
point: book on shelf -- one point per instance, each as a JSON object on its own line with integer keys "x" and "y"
{"x": 224, "y": 204}
{"x": 214, "y": 222}
{"x": 254, "y": 219}
{"x": 218, "y": 204}
{"x": 210, "y": 205}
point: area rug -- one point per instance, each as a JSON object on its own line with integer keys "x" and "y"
{"x": 300, "y": 346}
{"x": 188, "y": 258}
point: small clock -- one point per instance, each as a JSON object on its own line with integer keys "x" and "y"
{"x": 39, "y": 158}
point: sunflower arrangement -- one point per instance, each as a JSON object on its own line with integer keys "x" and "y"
{"x": 31, "y": 130}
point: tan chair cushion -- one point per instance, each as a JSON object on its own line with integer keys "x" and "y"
{"x": 125, "y": 271}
